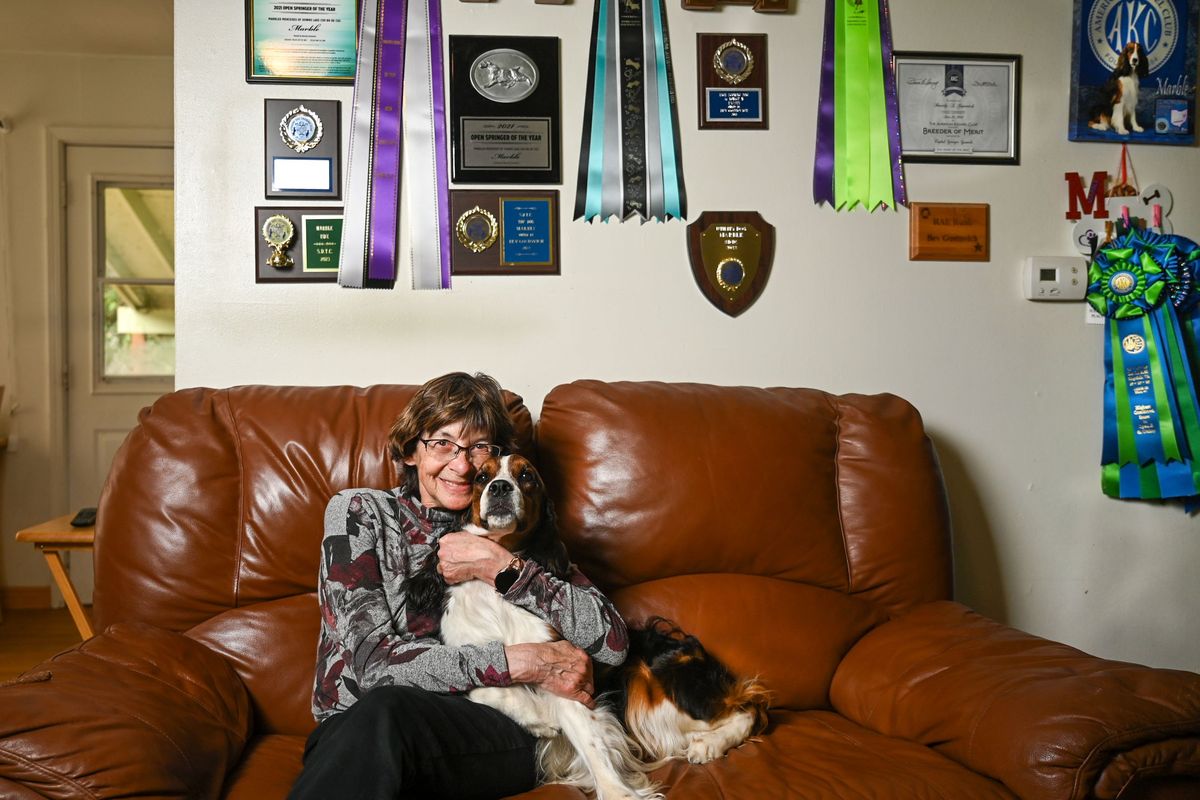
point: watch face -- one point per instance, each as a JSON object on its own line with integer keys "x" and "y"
{"x": 506, "y": 579}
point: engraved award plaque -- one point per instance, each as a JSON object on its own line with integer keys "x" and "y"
{"x": 731, "y": 254}
{"x": 948, "y": 232}
{"x": 302, "y": 145}
{"x": 504, "y": 109}
{"x": 732, "y": 80}
{"x": 295, "y": 244}
{"x": 504, "y": 232}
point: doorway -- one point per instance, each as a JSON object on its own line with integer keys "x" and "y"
{"x": 119, "y": 309}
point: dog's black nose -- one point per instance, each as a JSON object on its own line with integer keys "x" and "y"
{"x": 500, "y": 488}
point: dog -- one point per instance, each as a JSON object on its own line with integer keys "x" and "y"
{"x": 675, "y": 699}
{"x": 679, "y": 701}
{"x": 1121, "y": 92}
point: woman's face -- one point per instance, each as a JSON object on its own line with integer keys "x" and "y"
{"x": 445, "y": 484}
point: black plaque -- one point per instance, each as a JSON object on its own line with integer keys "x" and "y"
{"x": 504, "y": 109}
{"x": 732, "y": 80}
{"x": 303, "y": 149}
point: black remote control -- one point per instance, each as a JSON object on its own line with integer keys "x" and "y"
{"x": 84, "y": 519}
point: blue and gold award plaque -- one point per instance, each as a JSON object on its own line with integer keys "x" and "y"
{"x": 509, "y": 232}
{"x": 732, "y": 80}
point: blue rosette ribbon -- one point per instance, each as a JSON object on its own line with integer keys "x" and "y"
{"x": 1144, "y": 285}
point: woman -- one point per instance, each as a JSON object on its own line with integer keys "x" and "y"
{"x": 393, "y": 720}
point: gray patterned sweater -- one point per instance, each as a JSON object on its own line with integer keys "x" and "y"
{"x": 374, "y": 542}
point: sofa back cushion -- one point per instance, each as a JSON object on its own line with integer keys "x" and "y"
{"x": 657, "y": 482}
{"x": 215, "y": 504}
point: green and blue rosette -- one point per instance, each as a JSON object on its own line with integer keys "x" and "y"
{"x": 1144, "y": 285}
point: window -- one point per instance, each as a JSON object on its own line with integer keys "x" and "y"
{"x": 137, "y": 283}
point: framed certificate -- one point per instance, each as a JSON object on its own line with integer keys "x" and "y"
{"x": 959, "y": 108}
{"x": 301, "y": 41}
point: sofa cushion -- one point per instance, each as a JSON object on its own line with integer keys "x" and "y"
{"x": 792, "y": 636}
{"x": 268, "y": 768}
{"x": 281, "y": 686}
{"x": 134, "y": 712}
{"x": 216, "y": 500}
{"x": 653, "y": 480}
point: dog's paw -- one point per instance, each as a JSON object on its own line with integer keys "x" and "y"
{"x": 543, "y": 730}
{"x": 702, "y": 750}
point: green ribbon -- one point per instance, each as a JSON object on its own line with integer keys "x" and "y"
{"x": 862, "y": 170}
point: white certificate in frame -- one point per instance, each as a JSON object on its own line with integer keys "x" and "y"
{"x": 959, "y": 108}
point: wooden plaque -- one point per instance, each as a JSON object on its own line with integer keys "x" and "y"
{"x": 504, "y": 232}
{"x": 732, "y": 80}
{"x": 948, "y": 232}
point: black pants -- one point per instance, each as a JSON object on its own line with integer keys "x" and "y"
{"x": 400, "y": 742}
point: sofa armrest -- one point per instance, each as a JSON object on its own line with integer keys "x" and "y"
{"x": 136, "y": 711}
{"x": 1045, "y": 719}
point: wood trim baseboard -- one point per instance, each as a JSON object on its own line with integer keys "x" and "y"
{"x": 23, "y": 597}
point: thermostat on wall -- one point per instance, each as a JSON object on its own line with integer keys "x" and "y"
{"x": 1054, "y": 278}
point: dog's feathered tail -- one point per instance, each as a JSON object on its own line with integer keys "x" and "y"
{"x": 560, "y": 759}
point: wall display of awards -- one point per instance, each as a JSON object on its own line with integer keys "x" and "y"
{"x": 504, "y": 109}
{"x": 731, "y": 253}
{"x": 1133, "y": 71}
{"x": 959, "y": 108}
{"x": 732, "y": 80}
{"x": 504, "y": 232}
{"x": 305, "y": 42}
{"x": 948, "y": 232}
{"x": 297, "y": 245}
{"x": 303, "y": 149}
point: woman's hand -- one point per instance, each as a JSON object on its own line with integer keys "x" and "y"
{"x": 464, "y": 556}
{"x": 559, "y": 667}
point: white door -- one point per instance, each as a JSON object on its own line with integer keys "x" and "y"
{"x": 120, "y": 309}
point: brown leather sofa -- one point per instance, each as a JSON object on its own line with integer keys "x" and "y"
{"x": 804, "y": 536}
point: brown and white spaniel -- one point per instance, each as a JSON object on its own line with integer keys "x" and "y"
{"x": 1118, "y": 107}
{"x": 674, "y": 698}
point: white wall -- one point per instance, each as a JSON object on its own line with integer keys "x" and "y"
{"x": 1010, "y": 390}
{"x": 73, "y": 78}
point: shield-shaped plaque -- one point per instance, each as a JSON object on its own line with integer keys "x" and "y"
{"x": 731, "y": 254}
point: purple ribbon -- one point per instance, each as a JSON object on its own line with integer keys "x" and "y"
{"x": 383, "y": 199}
{"x": 823, "y": 161}
{"x": 893, "y": 105}
{"x": 439, "y": 136}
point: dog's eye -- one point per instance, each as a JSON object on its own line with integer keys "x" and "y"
{"x": 526, "y": 475}
{"x": 482, "y": 478}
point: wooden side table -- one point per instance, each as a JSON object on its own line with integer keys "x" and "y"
{"x": 51, "y": 538}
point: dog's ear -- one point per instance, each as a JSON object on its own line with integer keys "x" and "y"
{"x": 1143, "y": 67}
{"x": 545, "y": 546}
{"x": 426, "y": 590}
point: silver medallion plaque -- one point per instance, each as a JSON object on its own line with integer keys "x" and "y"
{"x": 504, "y": 75}
{"x": 301, "y": 129}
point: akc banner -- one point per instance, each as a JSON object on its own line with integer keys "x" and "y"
{"x": 1134, "y": 71}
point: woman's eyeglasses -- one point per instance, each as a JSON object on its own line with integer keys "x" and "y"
{"x": 446, "y": 450}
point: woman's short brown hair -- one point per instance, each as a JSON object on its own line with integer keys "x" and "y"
{"x": 474, "y": 400}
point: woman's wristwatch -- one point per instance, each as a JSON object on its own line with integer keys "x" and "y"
{"x": 506, "y": 577}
